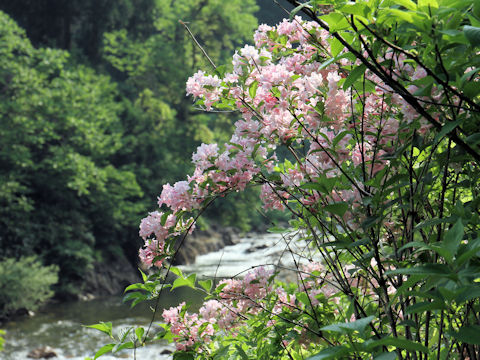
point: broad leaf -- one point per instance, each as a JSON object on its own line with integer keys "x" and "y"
{"x": 467, "y": 334}
{"x": 472, "y": 34}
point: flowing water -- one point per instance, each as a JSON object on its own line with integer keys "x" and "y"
{"x": 60, "y": 325}
{"x": 251, "y": 251}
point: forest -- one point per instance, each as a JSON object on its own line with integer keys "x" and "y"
{"x": 94, "y": 120}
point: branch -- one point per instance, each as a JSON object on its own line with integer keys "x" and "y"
{"x": 198, "y": 44}
{"x": 395, "y": 85}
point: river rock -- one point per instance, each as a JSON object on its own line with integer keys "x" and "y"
{"x": 205, "y": 241}
{"x": 45, "y": 352}
{"x": 257, "y": 248}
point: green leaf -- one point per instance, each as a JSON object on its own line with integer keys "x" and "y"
{"x": 407, "y": 4}
{"x": 206, "y": 284}
{"x": 427, "y": 4}
{"x": 472, "y": 251}
{"x": 176, "y": 271}
{"x": 139, "y": 334}
{"x": 424, "y": 91}
{"x": 324, "y": 185}
{"x": 469, "y": 293}
{"x": 189, "y": 281}
{"x": 127, "y": 345}
{"x": 335, "y": 21}
{"x": 241, "y": 352}
{"x": 335, "y": 46}
{"x": 359, "y": 9}
{"x": 370, "y": 221}
{"x": 430, "y": 222}
{"x": 222, "y": 353}
{"x": 386, "y": 356}
{"x": 334, "y": 352}
{"x": 339, "y": 137}
{"x": 447, "y": 128}
{"x": 471, "y": 89}
{"x": 136, "y": 296}
{"x": 354, "y": 75}
{"x": 276, "y": 92}
{"x": 357, "y": 325}
{"x": 453, "y": 237}
{"x": 472, "y": 34}
{"x": 339, "y": 208}
{"x": 135, "y": 287}
{"x": 425, "y": 270}
{"x": 303, "y": 298}
{"x": 144, "y": 276}
{"x": 105, "y": 327}
{"x": 220, "y": 71}
{"x": 103, "y": 350}
{"x": 252, "y": 89}
{"x": 425, "y": 306}
{"x": 395, "y": 14}
{"x": 276, "y": 230}
{"x": 399, "y": 343}
{"x": 473, "y": 139}
{"x": 125, "y": 333}
{"x": 467, "y": 334}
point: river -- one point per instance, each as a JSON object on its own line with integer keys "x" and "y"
{"x": 60, "y": 325}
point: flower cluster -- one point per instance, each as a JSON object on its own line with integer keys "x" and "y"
{"x": 287, "y": 96}
{"x": 341, "y": 140}
{"x": 187, "y": 329}
{"x": 238, "y": 299}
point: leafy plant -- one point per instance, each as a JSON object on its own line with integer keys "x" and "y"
{"x": 25, "y": 284}
{"x": 378, "y": 116}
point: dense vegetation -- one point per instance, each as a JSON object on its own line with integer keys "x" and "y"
{"x": 94, "y": 119}
{"x": 378, "y": 104}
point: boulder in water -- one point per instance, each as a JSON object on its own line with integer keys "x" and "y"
{"x": 44, "y": 352}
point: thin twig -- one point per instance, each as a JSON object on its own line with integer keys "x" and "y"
{"x": 198, "y": 44}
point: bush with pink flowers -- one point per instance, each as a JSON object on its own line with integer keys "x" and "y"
{"x": 363, "y": 123}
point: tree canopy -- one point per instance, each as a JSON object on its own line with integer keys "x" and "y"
{"x": 94, "y": 119}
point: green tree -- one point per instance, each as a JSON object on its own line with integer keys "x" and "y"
{"x": 61, "y": 193}
{"x": 163, "y": 126}
{"x": 25, "y": 284}
{"x": 78, "y": 26}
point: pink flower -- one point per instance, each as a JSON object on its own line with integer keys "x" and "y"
{"x": 271, "y": 199}
{"x": 204, "y": 155}
{"x": 152, "y": 225}
{"x": 177, "y": 197}
{"x": 152, "y": 249}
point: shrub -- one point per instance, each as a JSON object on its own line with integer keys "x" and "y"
{"x": 24, "y": 284}
{"x": 380, "y": 115}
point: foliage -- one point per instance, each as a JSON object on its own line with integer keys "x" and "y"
{"x": 78, "y": 26}
{"x": 377, "y": 103}
{"x": 161, "y": 125}
{"x": 61, "y": 194}
{"x": 25, "y": 284}
{"x": 74, "y": 143}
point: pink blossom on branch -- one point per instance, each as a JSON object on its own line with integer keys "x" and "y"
{"x": 286, "y": 96}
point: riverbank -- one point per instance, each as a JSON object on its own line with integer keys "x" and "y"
{"x": 59, "y": 325}
{"x": 106, "y": 279}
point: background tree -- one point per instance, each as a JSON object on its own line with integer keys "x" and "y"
{"x": 61, "y": 194}
{"x": 162, "y": 124}
{"x": 80, "y": 125}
